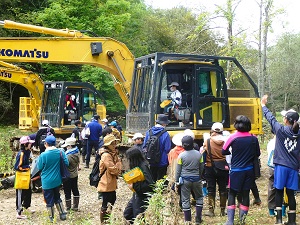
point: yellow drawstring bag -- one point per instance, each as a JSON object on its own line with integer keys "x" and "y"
{"x": 22, "y": 179}
{"x": 134, "y": 175}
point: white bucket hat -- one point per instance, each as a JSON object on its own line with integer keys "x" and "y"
{"x": 69, "y": 141}
{"x": 137, "y": 135}
{"x": 177, "y": 138}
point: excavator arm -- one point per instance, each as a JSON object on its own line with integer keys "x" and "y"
{"x": 32, "y": 82}
{"x": 71, "y": 47}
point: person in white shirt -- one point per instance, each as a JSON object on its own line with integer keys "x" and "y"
{"x": 176, "y": 95}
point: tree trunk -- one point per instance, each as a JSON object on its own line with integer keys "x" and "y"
{"x": 260, "y": 75}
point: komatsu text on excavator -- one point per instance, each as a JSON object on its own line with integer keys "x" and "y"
{"x": 143, "y": 83}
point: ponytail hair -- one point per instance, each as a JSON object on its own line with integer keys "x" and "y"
{"x": 296, "y": 127}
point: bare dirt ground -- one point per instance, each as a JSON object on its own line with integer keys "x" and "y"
{"x": 90, "y": 205}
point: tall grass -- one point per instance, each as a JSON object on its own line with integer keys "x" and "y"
{"x": 6, "y": 154}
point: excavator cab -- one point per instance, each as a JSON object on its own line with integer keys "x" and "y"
{"x": 205, "y": 96}
{"x": 65, "y": 102}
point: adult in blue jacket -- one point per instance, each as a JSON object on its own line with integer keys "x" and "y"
{"x": 93, "y": 139}
{"x": 160, "y": 170}
{"x": 286, "y": 159}
{"x": 49, "y": 165}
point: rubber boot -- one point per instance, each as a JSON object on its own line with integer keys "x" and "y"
{"x": 230, "y": 215}
{"x": 62, "y": 213}
{"x": 87, "y": 163}
{"x": 51, "y": 213}
{"x": 68, "y": 204}
{"x": 223, "y": 200}
{"x": 283, "y": 210}
{"x": 75, "y": 203}
{"x": 187, "y": 215}
{"x": 291, "y": 218}
{"x": 204, "y": 191}
{"x": 271, "y": 212}
{"x": 278, "y": 215}
{"x": 211, "y": 206}
{"x": 198, "y": 218}
{"x": 103, "y": 216}
{"x": 243, "y": 213}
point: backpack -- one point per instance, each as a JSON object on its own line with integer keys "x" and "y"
{"x": 95, "y": 175}
{"x": 43, "y": 136}
{"x": 153, "y": 154}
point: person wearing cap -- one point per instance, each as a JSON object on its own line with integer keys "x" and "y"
{"x": 175, "y": 95}
{"x": 244, "y": 149}
{"x": 159, "y": 170}
{"x": 49, "y": 165}
{"x": 43, "y": 131}
{"x": 286, "y": 159}
{"x": 188, "y": 170}
{"x": 113, "y": 125}
{"x": 23, "y": 196}
{"x": 93, "y": 139}
{"x": 105, "y": 123}
{"x": 110, "y": 166}
{"x": 71, "y": 185}
{"x": 189, "y": 132}
{"x": 215, "y": 175}
{"x": 172, "y": 158}
{"x": 138, "y": 140}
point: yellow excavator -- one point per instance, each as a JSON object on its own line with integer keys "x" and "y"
{"x": 86, "y": 102}
{"x": 143, "y": 83}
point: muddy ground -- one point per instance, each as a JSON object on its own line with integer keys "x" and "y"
{"x": 90, "y": 205}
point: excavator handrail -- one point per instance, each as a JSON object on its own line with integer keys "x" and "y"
{"x": 39, "y": 29}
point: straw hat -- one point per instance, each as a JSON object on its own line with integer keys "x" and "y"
{"x": 108, "y": 139}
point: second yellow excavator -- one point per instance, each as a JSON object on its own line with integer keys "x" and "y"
{"x": 60, "y": 102}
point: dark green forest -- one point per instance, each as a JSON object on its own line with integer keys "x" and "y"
{"x": 146, "y": 30}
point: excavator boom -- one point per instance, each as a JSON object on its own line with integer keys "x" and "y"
{"x": 107, "y": 53}
{"x": 31, "y": 81}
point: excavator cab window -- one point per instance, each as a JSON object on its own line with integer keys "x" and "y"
{"x": 72, "y": 106}
{"x": 202, "y": 95}
{"x": 183, "y": 75}
{"x": 142, "y": 89}
{"x": 50, "y": 109}
{"x": 89, "y": 105}
{"x": 211, "y": 102}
